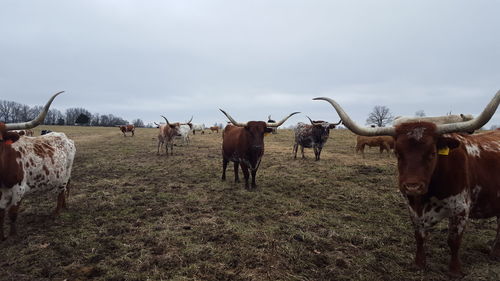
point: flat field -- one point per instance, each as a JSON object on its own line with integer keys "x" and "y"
{"x": 134, "y": 215}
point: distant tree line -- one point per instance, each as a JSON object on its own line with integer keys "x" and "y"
{"x": 14, "y": 112}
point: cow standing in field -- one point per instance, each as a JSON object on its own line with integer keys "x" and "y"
{"x": 312, "y": 136}
{"x": 445, "y": 174}
{"x": 127, "y": 128}
{"x": 382, "y": 142}
{"x": 32, "y": 165}
{"x": 184, "y": 130}
{"x": 214, "y": 129}
{"x": 166, "y": 136}
{"x": 198, "y": 128}
{"x": 243, "y": 144}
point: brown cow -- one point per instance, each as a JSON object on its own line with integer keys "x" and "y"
{"x": 214, "y": 129}
{"x": 243, "y": 144}
{"x": 40, "y": 165}
{"x": 383, "y": 142}
{"x": 445, "y": 174}
{"x": 127, "y": 128}
{"x": 166, "y": 136}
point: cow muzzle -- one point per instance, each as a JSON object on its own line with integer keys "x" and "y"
{"x": 413, "y": 188}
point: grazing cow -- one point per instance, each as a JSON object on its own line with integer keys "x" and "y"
{"x": 447, "y": 119}
{"x": 166, "y": 136}
{"x": 127, "y": 128}
{"x": 44, "y": 132}
{"x": 445, "y": 174}
{"x": 243, "y": 144}
{"x": 383, "y": 142}
{"x": 198, "y": 127}
{"x": 214, "y": 129}
{"x": 32, "y": 165}
{"x": 312, "y": 136}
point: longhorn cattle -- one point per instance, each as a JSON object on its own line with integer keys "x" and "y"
{"x": 184, "y": 130}
{"x": 198, "y": 128}
{"x": 447, "y": 119}
{"x": 312, "y": 136}
{"x": 32, "y": 165}
{"x": 243, "y": 144}
{"x": 382, "y": 142}
{"x": 269, "y": 120}
{"x": 445, "y": 174}
{"x": 127, "y": 128}
{"x": 214, "y": 129}
{"x": 166, "y": 136}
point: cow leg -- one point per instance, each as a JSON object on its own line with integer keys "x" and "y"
{"x": 2, "y": 216}
{"x": 420, "y": 253}
{"x": 302, "y": 151}
{"x": 317, "y": 153}
{"x": 224, "y": 166}
{"x": 495, "y": 251}
{"x": 456, "y": 228}
{"x": 246, "y": 174}
{"x": 362, "y": 151}
{"x": 13, "y": 210}
{"x": 60, "y": 202}
{"x": 64, "y": 206}
{"x": 254, "y": 173}
{"x": 236, "y": 176}
{"x": 295, "y": 148}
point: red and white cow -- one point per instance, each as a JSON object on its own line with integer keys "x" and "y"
{"x": 32, "y": 165}
{"x": 127, "y": 128}
{"x": 166, "y": 136}
{"x": 445, "y": 174}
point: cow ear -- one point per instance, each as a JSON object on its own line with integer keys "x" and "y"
{"x": 10, "y": 137}
{"x": 443, "y": 142}
{"x": 268, "y": 130}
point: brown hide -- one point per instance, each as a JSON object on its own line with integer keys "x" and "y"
{"x": 464, "y": 183}
{"x": 383, "y": 142}
{"x": 127, "y": 128}
{"x": 11, "y": 172}
{"x": 166, "y": 135}
{"x": 244, "y": 146}
{"x": 214, "y": 129}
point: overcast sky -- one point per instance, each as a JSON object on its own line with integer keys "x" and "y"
{"x": 140, "y": 59}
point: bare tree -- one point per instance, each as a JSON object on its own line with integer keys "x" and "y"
{"x": 420, "y": 113}
{"x": 138, "y": 122}
{"x": 380, "y": 116}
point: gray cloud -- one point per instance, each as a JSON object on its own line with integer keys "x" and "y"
{"x": 139, "y": 59}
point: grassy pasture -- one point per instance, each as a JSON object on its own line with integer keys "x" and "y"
{"x": 134, "y": 215}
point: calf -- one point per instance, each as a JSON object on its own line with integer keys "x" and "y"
{"x": 243, "y": 144}
{"x": 383, "y": 142}
{"x": 445, "y": 174}
{"x": 312, "y": 136}
{"x": 32, "y": 165}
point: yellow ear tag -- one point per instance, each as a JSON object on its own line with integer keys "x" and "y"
{"x": 444, "y": 151}
{"x": 266, "y": 134}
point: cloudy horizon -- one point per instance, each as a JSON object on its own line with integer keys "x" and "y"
{"x": 137, "y": 59}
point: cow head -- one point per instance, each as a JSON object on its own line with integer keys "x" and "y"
{"x": 174, "y": 127}
{"x": 419, "y": 144}
{"x": 321, "y": 129}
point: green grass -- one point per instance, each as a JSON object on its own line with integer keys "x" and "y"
{"x": 134, "y": 215}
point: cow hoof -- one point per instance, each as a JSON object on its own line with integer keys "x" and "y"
{"x": 456, "y": 274}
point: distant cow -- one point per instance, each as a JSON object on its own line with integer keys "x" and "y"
{"x": 127, "y": 128}
{"x": 166, "y": 136}
{"x": 445, "y": 174}
{"x": 40, "y": 165}
{"x": 199, "y": 128}
{"x": 382, "y": 142}
{"x": 243, "y": 144}
{"x": 44, "y": 132}
{"x": 447, "y": 119}
{"x": 214, "y": 129}
{"x": 312, "y": 136}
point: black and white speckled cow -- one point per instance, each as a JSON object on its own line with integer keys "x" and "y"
{"x": 312, "y": 136}
{"x": 38, "y": 165}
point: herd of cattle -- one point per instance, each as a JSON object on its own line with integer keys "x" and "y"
{"x": 444, "y": 169}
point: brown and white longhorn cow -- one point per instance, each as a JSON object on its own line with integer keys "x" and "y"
{"x": 32, "y": 165}
{"x": 445, "y": 174}
{"x": 127, "y": 128}
{"x": 166, "y": 136}
{"x": 243, "y": 144}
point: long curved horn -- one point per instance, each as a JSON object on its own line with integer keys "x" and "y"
{"x": 165, "y": 119}
{"x": 269, "y": 117}
{"x": 312, "y": 122}
{"x": 355, "y": 128}
{"x": 156, "y": 124}
{"x": 232, "y": 120}
{"x": 190, "y": 120}
{"x": 337, "y": 123}
{"x": 277, "y": 124}
{"x": 475, "y": 123}
{"x": 35, "y": 122}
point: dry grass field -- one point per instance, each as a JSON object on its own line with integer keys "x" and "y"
{"x": 134, "y": 215}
